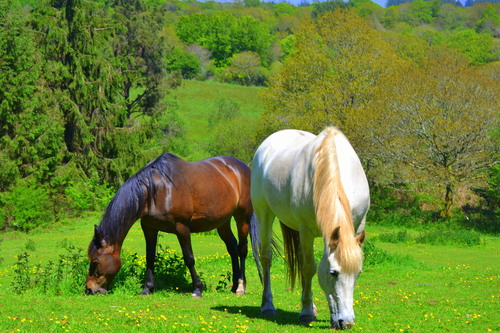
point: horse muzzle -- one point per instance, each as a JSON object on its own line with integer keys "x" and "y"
{"x": 98, "y": 290}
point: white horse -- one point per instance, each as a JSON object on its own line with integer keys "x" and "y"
{"x": 316, "y": 187}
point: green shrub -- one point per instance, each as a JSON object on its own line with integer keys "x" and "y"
{"x": 225, "y": 110}
{"x": 245, "y": 69}
{"x": 129, "y": 279}
{"x": 25, "y": 207}
{"x": 395, "y": 237}
{"x": 84, "y": 196}
{"x": 66, "y": 277}
{"x": 185, "y": 62}
{"x": 170, "y": 273}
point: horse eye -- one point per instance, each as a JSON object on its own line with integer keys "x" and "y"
{"x": 334, "y": 273}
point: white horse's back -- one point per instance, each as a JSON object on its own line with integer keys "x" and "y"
{"x": 282, "y": 174}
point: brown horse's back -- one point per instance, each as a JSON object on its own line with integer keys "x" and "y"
{"x": 203, "y": 194}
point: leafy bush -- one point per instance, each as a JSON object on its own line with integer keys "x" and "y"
{"x": 185, "y": 62}
{"x": 88, "y": 196}
{"x": 225, "y": 110}
{"x": 245, "y": 69}
{"x": 25, "y": 207}
{"x": 170, "y": 271}
{"x": 234, "y": 138}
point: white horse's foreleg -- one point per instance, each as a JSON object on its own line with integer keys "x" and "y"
{"x": 265, "y": 234}
{"x": 308, "y": 270}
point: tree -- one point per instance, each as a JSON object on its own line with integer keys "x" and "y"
{"x": 319, "y": 8}
{"x": 333, "y": 69}
{"x": 436, "y": 123}
{"x": 140, "y": 53}
{"x": 185, "y": 62}
{"x": 421, "y": 12}
{"x": 31, "y": 124}
{"x": 224, "y": 34}
{"x": 245, "y": 69}
{"x": 478, "y": 47}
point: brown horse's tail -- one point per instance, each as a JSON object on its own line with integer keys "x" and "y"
{"x": 293, "y": 253}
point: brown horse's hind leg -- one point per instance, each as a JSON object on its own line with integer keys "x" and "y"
{"x": 227, "y": 236}
{"x": 184, "y": 237}
{"x": 243, "y": 230}
{"x": 151, "y": 237}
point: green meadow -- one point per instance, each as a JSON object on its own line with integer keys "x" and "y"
{"x": 404, "y": 287}
{"x": 197, "y": 102}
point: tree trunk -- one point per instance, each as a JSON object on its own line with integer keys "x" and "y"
{"x": 448, "y": 202}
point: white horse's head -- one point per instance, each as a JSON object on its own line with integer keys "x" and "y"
{"x": 338, "y": 278}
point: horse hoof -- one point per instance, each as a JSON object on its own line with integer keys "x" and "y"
{"x": 306, "y": 319}
{"x": 240, "y": 292}
{"x": 146, "y": 292}
{"x": 269, "y": 313}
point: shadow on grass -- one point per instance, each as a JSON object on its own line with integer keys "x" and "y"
{"x": 282, "y": 317}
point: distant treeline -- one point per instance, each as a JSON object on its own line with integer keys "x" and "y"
{"x": 84, "y": 93}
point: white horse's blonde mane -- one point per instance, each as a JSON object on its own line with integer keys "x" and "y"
{"x": 332, "y": 206}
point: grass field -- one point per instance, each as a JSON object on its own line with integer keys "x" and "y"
{"x": 404, "y": 288}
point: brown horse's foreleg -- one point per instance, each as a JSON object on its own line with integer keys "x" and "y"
{"x": 184, "y": 237}
{"x": 151, "y": 237}
{"x": 227, "y": 236}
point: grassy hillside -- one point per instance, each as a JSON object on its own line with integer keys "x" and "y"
{"x": 197, "y": 101}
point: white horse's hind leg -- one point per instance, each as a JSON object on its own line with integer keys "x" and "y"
{"x": 308, "y": 270}
{"x": 266, "y": 220}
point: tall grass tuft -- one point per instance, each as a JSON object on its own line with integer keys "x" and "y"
{"x": 449, "y": 237}
{"x": 374, "y": 256}
{"x": 66, "y": 277}
{"x": 459, "y": 237}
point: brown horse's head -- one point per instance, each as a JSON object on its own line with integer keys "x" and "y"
{"x": 105, "y": 262}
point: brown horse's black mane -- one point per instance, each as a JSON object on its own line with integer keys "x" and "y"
{"x": 130, "y": 199}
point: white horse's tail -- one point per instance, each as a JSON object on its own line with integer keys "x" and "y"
{"x": 293, "y": 253}
{"x": 255, "y": 240}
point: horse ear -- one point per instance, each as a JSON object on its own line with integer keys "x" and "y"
{"x": 361, "y": 237}
{"x": 335, "y": 238}
{"x": 98, "y": 240}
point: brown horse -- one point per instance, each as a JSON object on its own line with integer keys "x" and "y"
{"x": 178, "y": 197}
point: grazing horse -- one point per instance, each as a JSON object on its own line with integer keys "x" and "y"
{"x": 316, "y": 187}
{"x": 178, "y": 197}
